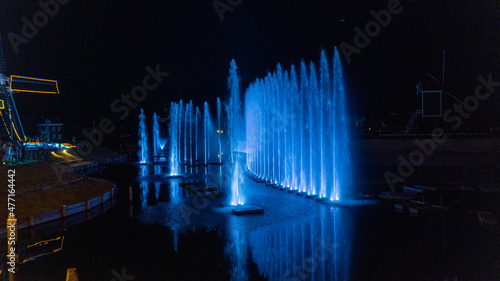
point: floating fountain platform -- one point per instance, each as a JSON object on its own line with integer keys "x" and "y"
{"x": 292, "y": 191}
{"x": 247, "y": 210}
{"x": 269, "y": 184}
{"x": 311, "y": 196}
{"x": 301, "y": 193}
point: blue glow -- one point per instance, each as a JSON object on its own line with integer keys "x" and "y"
{"x": 297, "y": 133}
{"x": 237, "y": 252}
{"x": 206, "y": 121}
{"x": 310, "y": 250}
{"x": 236, "y": 137}
{"x": 143, "y": 139}
{"x": 174, "y": 148}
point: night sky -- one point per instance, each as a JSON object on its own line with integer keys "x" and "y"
{"x": 98, "y": 50}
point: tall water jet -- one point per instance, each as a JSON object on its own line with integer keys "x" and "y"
{"x": 219, "y": 131}
{"x": 235, "y": 135}
{"x": 325, "y": 90}
{"x": 173, "y": 130}
{"x": 185, "y": 131}
{"x": 205, "y": 129}
{"x": 295, "y": 140}
{"x": 313, "y": 93}
{"x": 190, "y": 132}
{"x": 196, "y": 134}
{"x": 304, "y": 85}
{"x": 309, "y": 152}
{"x": 234, "y": 110}
{"x": 179, "y": 128}
{"x": 156, "y": 136}
{"x": 342, "y": 170}
{"x": 143, "y": 139}
{"x": 286, "y": 167}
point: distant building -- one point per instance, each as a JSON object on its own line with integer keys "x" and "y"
{"x": 359, "y": 124}
{"x": 50, "y": 132}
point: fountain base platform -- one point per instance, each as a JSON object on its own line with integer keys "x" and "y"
{"x": 301, "y": 193}
{"x": 247, "y": 210}
{"x": 311, "y": 196}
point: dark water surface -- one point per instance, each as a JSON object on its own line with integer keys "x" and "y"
{"x": 172, "y": 235}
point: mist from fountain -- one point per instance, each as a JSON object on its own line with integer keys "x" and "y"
{"x": 157, "y": 148}
{"x": 236, "y": 136}
{"x": 186, "y": 120}
{"x": 143, "y": 139}
{"x": 219, "y": 131}
{"x": 196, "y": 134}
{"x": 190, "y": 118}
{"x": 205, "y": 130}
{"x": 179, "y": 128}
{"x": 173, "y": 130}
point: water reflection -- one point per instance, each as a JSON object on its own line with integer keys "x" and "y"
{"x": 312, "y": 250}
{"x": 237, "y": 252}
{"x": 144, "y": 171}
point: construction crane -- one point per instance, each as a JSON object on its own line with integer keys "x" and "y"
{"x": 15, "y": 84}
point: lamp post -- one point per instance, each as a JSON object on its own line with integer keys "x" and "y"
{"x": 220, "y": 146}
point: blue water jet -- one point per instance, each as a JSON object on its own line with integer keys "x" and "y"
{"x": 143, "y": 139}
{"x": 236, "y": 137}
{"x": 300, "y": 137}
{"x": 174, "y": 148}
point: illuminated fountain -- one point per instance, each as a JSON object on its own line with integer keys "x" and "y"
{"x": 179, "y": 130}
{"x": 143, "y": 139}
{"x": 197, "y": 113}
{"x": 299, "y": 137}
{"x": 219, "y": 131}
{"x": 190, "y": 118}
{"x": 186, "y": 120}
{"x": 236, "y": 125}
{"x": 174, "y": 147}
{"x": 158, "y": 142}
{"x": 184, "y": 133}
{"x": 206, "y": 119}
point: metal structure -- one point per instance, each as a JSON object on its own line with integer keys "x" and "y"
{"x": 14, "y": 84}
{"x": 423, "y": 94}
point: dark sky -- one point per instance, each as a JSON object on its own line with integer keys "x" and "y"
{"x": 98, "y": 50}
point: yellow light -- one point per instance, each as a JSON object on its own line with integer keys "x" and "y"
{"x": 45, "y": 242}
{"x": 36, "y": 79}
{"x": 2, "y": 104}
{"x": 218, "y": 131}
